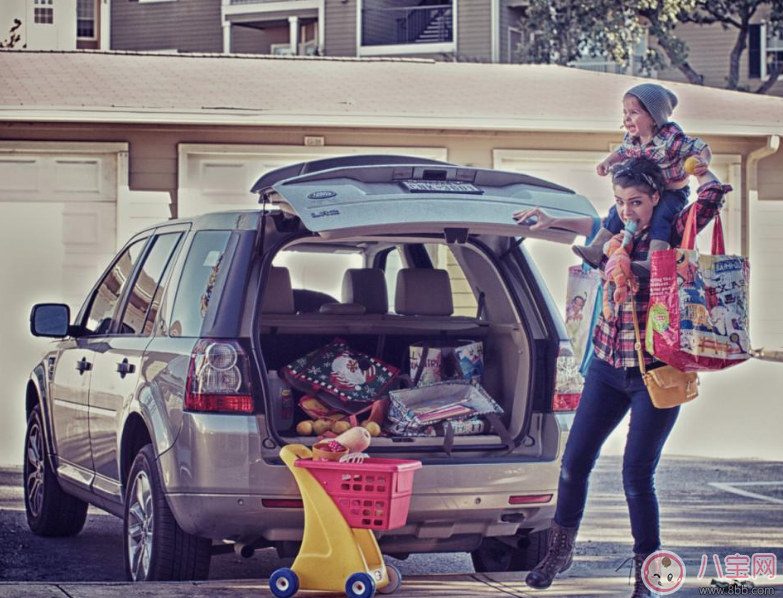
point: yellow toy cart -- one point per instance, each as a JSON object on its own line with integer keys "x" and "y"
{"x": 343, "y": 503}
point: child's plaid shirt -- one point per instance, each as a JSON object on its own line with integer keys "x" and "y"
{"x": 614, "y": 341}
{"x": 668, "y": 149}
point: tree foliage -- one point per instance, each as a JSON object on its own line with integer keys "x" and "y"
{"x": 563, "y": 31}
{"x": 14, "y": 38}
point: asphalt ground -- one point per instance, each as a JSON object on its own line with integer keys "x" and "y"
{"x": 708, "y": 507}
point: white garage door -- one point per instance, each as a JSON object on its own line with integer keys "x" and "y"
{"x": 57, "y": 233}
{"x": 218, "y": 177}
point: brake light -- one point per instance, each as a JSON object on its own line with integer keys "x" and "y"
{"x": 568, "y": 380}
{"x": 529, "y": 499}
{"x": 219, "y": 378}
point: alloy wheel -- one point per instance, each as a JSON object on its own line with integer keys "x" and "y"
{"x": 34, "y": 483}
{"x": 140, "y": 527}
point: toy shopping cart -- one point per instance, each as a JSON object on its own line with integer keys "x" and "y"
{"x": 343, "y": 503}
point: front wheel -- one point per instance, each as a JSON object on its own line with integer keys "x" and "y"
{"x": 284, "y": 583}
{"x": 360, "y": 585}
{"x": 156, "y": 547}
{"x": 494, "y": 555}
{"x": 50, "y": 511}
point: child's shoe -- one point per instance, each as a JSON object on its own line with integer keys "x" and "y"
{"x": 641, "y": 268}
{"x": 593, "y": 254}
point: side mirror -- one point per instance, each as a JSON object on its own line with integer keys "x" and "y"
{"x": 50, "y": 319}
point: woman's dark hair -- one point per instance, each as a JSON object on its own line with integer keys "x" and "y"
{"x": 639, "y": 173}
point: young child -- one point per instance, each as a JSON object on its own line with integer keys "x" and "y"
{"x": 649, "y": 134}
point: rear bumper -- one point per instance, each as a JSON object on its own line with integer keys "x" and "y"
{"x": 216, "y": 477}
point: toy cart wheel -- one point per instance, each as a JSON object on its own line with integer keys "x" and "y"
{"x": 395, "y": 580}
{"x": 284, "y": 583}
{"x": 360, "y": 585}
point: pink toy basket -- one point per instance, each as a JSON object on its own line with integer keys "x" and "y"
{"x": 374, "y": 494}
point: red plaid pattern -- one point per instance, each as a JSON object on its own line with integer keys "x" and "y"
{"x": 668, "y": 149}
{"x": 614, "y": 341}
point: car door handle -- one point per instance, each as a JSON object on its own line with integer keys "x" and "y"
{"x": 83, "y": 365}
{"x": 124, "y": 368}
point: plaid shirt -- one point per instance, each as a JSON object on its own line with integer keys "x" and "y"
{"x": 614, "y": 341}
{"x": 668, "y": 149}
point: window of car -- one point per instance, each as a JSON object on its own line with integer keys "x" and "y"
{"x": 442, "y": 258}
{"x": 145, "y": 288}
{"x": 197, "y": 281}
{"x": 319, "y": 271}
{"x": 104, "y": 301}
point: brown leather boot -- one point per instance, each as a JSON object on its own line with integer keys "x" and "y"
{"x": 593, "y": 254}
{"x": 559, "y": 557}
{"x": 639, "y": 589}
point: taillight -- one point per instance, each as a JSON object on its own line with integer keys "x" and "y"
{"x": 219, "y": 378}
{"x": 529, "y": 499}
{"x": 568, "y": 380}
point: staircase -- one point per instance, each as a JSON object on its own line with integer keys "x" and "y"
{"x": 438, "y": 29}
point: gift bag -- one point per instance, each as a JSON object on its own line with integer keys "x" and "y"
{"x": 340, "y": 377}
{"x": 582, "y": 306}
{"x": 698, "y": 312}
{"x": 447, "y": 360}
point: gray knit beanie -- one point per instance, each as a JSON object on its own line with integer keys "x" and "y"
{"x": 657, "y": 100}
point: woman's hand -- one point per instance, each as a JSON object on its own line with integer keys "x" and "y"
{"x": 535, "y": 218}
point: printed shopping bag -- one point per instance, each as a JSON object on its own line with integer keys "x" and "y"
{"x": 698, "y": 312}
{"x": 583, "y": 298}
{"x": 447, "y": 360}
{"x": 340, "y": 377}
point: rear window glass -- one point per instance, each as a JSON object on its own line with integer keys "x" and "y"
{"x": 318, "y": 272}
{"x": 199, "y": 275}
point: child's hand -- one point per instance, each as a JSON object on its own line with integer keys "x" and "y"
{"x": 696, "y": 166}
{"x": 602, "y": 169}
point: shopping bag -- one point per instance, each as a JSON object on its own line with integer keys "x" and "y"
{"x": 698, "y": 312}
{"x": 583, "y": 300}
{"x": 343, "y": 379}
{"x": 413, "y": 410}
{"x": 447, "y": 360}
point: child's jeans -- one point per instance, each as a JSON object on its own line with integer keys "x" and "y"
{"x": 672, "y": 202}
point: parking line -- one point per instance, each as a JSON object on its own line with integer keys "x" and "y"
{"x": 733, "y": 488}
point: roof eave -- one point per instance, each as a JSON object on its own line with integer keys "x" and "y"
{"x": 255, "y": 118}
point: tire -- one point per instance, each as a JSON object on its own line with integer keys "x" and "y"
{"x": 360, "y": 585}
{"x": 284, "y": 583}
{"x": 50, "y": 511}
{"x": 395, "y": 580}
{"x": 156, "y": 547}
{"x": 494, "y": 556}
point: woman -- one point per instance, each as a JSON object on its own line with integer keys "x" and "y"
{"x": 614, "y": 385}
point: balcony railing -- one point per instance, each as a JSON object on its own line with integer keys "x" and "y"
{"x": 408, "y": 25}
{"x": 267, "y": 2}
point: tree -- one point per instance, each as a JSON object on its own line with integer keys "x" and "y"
{"x": 14, "y": 36}
{"x": 562, "y": 31}
{"x": 736, "y": 14}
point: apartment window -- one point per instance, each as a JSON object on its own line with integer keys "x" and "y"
{"x": 85, "y": 18}
{"x": 765, "y": 51}
{"x": 43, "y": 12}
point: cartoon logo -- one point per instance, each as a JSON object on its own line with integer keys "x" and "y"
{"x": 663, "y": 572}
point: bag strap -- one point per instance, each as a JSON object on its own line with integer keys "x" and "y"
{"x": 718, "y": 242}
{"x": 638, "y": 344}
{"x": 689, "y": 236}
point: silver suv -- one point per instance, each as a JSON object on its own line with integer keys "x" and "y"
{"x": 157, "y": 404}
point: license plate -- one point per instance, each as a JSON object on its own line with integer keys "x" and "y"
{"x": 440, "y": 187}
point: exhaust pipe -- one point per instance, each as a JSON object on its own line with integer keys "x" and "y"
{"x": 244, "y": 550}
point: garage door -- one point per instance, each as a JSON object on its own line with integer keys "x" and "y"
{"x": 57, "y": 233}
{"x": 218, "y": 177}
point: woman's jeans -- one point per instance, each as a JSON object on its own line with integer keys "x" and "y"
{"x": 608, "y": 394}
